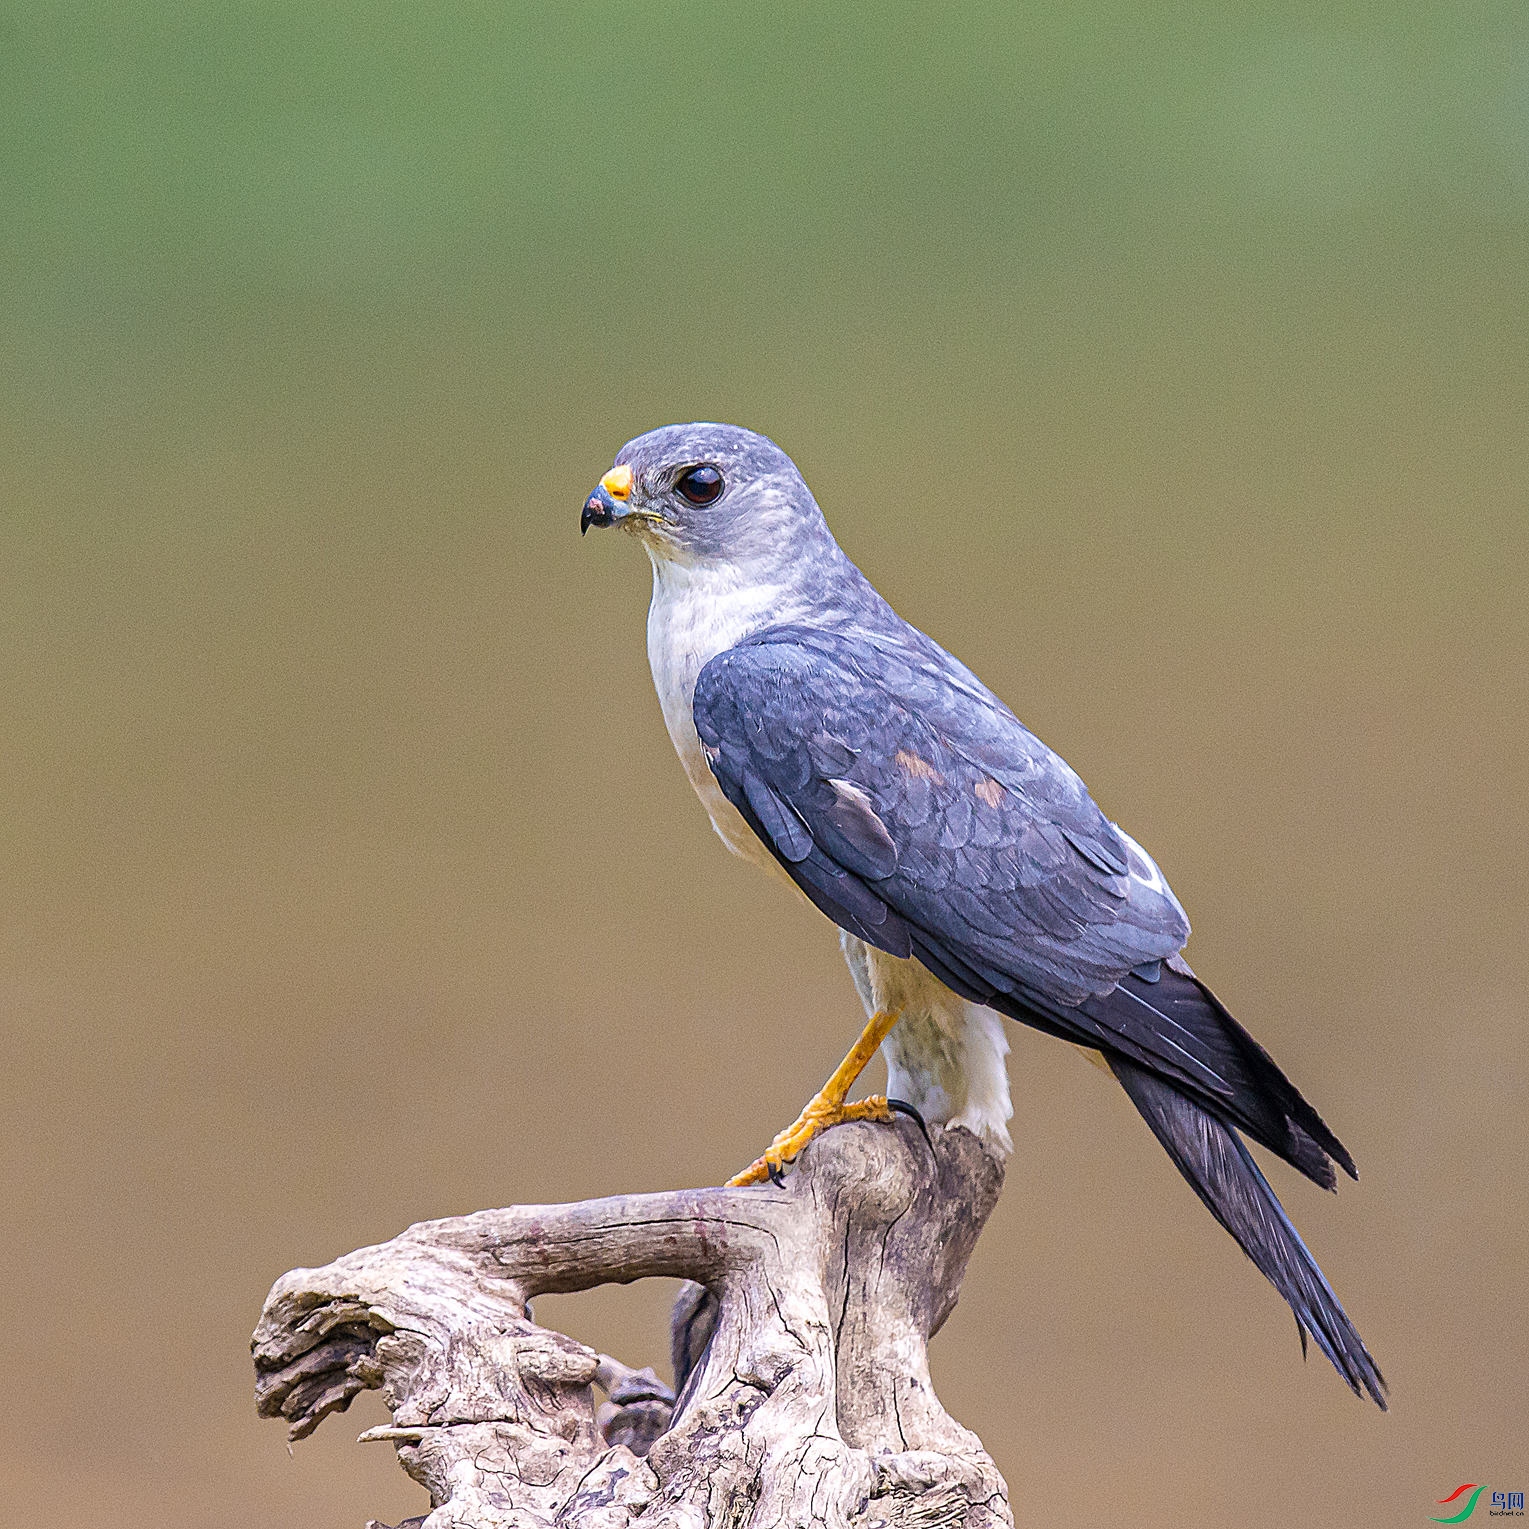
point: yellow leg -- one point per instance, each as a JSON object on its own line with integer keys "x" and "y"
{"x": 827, "y": 1106}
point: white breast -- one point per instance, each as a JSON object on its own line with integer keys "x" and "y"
{"x": 698, "y": 612}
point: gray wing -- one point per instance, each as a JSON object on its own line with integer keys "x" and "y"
{"x": 914, "y": 809}
{"x": 925, "y": 818}
{"x": 918, "y": 813}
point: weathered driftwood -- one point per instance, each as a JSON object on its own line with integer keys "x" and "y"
{"x": 800, "y": 1353}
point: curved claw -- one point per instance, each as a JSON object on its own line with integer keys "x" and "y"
{"x": 902, "y": 1107}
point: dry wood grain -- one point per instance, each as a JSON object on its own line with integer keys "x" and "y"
{"x": 800, "y": 1351}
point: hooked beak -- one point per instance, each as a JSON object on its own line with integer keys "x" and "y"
{"x": 607, "y": 504}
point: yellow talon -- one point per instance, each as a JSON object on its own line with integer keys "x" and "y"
{"x": 827, "y": 1107}
{"x": 818, "y": 1116}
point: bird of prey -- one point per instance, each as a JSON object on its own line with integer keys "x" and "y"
{"x": 966, "y": 865}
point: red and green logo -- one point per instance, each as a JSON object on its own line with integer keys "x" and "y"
{"x": 1504, "y": 1504}
{"x": 1470, "y": 1503}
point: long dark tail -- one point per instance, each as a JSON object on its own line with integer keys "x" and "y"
{"x": 1220, "y": 1169}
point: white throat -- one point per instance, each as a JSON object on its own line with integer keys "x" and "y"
{"x": 700, "y": 610}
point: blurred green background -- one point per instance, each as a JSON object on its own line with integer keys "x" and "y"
{"x": 1167, "y": 362}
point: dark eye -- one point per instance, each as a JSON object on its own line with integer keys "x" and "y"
{"x": 701, "y": 485}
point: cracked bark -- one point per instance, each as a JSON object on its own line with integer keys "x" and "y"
{"x": 800, "y": 1351}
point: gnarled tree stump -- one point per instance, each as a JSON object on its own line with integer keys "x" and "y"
{"x": 800, "y": 1352}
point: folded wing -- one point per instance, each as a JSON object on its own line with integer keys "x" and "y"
{"x": 919, "y": 814}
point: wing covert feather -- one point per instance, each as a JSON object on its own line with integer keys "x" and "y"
{"x": 918, "y": 813}
{"x": 940, "y": 804}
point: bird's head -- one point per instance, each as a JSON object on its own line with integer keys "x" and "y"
{"x": 706, "y": 493}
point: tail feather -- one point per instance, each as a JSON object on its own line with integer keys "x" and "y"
{"x": 1157, "y": 1022}
{"x": 1221, "y": 1170}
{"x": 1307, "y": 1128}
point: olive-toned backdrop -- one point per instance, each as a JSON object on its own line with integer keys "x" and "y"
{"x": 1168, "y": 363}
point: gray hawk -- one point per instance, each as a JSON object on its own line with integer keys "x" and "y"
{"x": 967, "y": 867}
